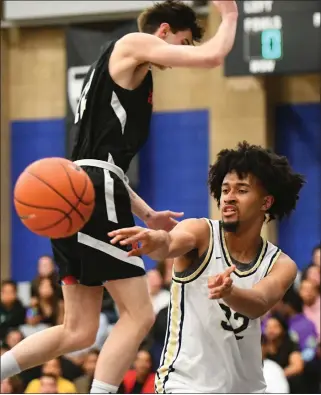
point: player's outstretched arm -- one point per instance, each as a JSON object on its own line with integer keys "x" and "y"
{"x": 255, "y": 302}
{"x": 158, "y": 244}
{"x": 149, "y": 48}
{"x": 153, "y": 219}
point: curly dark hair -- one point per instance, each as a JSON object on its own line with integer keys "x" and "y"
{"x": 178, "y": 15}
{"x": 273, "y": 171}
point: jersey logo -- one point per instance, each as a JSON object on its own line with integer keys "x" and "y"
{"x": 241, "y": 320}
{"x": 150, "y": 98}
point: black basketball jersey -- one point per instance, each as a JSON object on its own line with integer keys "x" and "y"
{"x": 111, "y": 123}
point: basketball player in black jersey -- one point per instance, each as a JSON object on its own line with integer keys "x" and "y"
{"x": 112, "y": 123}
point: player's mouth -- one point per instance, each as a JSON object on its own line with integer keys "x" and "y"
{"x": 228, "y": 211}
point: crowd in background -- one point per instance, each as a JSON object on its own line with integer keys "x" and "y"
{"x": 290, "y": 335}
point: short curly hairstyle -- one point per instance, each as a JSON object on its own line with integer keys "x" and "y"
{"x": 178, "y": 15}
{"x": 273, "y": 171}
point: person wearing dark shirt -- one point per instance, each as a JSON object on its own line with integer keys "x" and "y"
{"x": 281, "y": 349}
{"x": 12, "y": 312}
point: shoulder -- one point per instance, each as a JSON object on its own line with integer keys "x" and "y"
{"x": 285, "y": 265}
{"x": 129, "y": 43}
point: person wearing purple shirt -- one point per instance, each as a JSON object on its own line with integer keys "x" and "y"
{"x": 301, "y": 329}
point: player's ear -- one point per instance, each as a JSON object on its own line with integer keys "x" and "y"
{"x": 164, "y": 29}
{"x": 267, "y": 202}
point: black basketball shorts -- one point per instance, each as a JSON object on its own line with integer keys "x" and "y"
{"x": 87, "y": 257}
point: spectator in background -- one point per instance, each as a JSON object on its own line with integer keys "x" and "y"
{"x": 140, "y": 380}
{"x": 83, "y": 383}
{"x": 12, "y": 312}
{"x": 33, "y": 319}
{"x": 52, "y": 367}
{"x": 316, "y": 256}
{"x": 12, "y": 385}
{"x": 48, "y": 384}
{"x": 281, "y": 349}
{"x": 46, "y": 269}
{"x": 14, "y": 336}
{"x": 315, "y": 261}
{"x": 47, "y": 302}
{"x": 276, "y": 382}
{"x": 159, "y": 296}
{"x": 301, "y": 329}
{"x": 310, "y": 294}
{"x": 312, "y": 274}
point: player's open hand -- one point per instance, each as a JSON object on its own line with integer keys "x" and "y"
{"x": 163, "y": 220}
{"x": 226, "y": 7}
{"x": 143, "y": 241}
{"x": 221, "y": 284}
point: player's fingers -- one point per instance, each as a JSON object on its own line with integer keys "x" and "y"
{"x": 116, "y": 239}
{"x": 212, "y": 281}
{"x": 174, "y": 214}
{"x": 125, "y": 231}
{"x": 134, "y": 239}
{"x": 229, "y": 271}
{"x": 228, "y": 281}
{"x": 137, "y": 252}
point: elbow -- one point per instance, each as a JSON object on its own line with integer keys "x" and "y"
{"x": 213, "y": 61}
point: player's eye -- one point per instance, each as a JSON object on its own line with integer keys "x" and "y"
{"x": 242, "y": 190}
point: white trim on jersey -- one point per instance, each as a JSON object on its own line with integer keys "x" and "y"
{"x": 173, "y": 337}
{"x": 109, "y": 249}
{"x": 119, "y": 111}
{"x": 109, "y": 197}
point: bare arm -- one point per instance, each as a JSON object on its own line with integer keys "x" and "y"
{"x": 149, "y": 48}
{"x": 187, "y": 235}
{"x": 295, "y": 366}
{"x": 255, "y": 302}
{"x": 139, "y": 206}
{"x": 153, "y": 219}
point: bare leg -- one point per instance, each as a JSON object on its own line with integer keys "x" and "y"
{"x": 81, "y": 320}
{"x": 135, "y": 321}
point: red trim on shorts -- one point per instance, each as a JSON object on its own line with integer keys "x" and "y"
{"x": 69, "y": 280}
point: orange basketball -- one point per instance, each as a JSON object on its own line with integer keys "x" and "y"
{"x": 54, "y": 197}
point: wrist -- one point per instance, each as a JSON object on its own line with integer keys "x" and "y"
{"x": 149, "y": 215}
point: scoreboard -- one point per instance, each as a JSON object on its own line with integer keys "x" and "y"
{"x": 276, "y": 37}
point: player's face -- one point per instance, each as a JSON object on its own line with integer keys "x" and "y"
{"x": 242, "y": 201}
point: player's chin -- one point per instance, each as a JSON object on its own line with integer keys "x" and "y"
{"x": 230, "y": 224}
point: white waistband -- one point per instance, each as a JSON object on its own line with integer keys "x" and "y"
{"x": 103, "y": 165}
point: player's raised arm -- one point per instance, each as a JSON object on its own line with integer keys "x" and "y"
{"x": 153, "y": 49}
{"x": 187, "y": 235}
{"x": 266, "y": 293}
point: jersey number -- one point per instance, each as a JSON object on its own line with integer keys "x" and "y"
{"x": 83, "y": 99}
{"x": 237, "y": 317}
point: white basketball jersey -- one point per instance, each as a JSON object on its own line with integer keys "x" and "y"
{"x": 210, "y": 348}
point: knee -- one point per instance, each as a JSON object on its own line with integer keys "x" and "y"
{"x": 81, "y": 336}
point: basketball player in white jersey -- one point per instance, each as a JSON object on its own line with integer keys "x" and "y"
{"x": 225, "y": 276}
{"x": 112, "y": 123}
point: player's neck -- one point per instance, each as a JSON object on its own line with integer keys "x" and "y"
{"x": 244, "y": 244}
